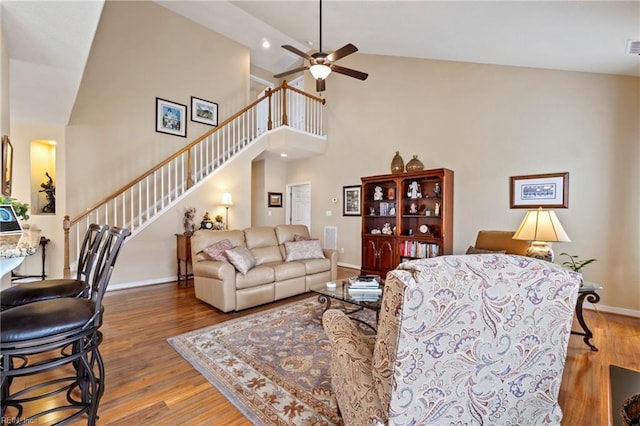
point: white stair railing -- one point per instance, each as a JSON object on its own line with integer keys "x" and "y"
{"x": 140, "y": 202}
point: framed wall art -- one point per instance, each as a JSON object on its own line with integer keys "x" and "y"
{"x": 203, "y": 111}
{"x": 545, "y": 190}
{"x": 274, "y": 199}
{"x": 352, "y": 200}
{"x": 7, "y": 165}
{"x": 171, "y": 118}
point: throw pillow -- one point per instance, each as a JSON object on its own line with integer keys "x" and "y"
{"x": 241, "y": 258}
{"x": 297, "y": 237}
{"x": 301, "y": 250}
{"x": 217, "y": 251}
{"x": 473, "y": 250}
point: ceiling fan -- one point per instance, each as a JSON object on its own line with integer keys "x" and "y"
{"x": 321, "y": 64}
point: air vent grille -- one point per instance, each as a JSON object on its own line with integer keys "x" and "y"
{"x": 331, "y": 237}
{"x": 633, "y": 47}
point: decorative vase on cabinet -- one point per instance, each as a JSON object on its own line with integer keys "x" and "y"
{"x": 414, "y": 165}
{"x": 397, "y": 163}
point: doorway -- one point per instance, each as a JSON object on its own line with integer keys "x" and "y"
{"x": 258, "y": 88}
{"x": 299, "y": 204}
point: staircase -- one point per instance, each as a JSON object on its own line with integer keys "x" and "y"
{"x": 139, "y": 203}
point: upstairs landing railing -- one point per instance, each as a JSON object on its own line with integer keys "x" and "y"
{"x": 142, "y": 200}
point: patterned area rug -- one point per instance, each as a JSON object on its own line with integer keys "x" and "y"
{"x": 272, "y": 365}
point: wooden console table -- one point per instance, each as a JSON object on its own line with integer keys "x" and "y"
{"x": 588, "y": 291}
{"x": 183, "y": 256}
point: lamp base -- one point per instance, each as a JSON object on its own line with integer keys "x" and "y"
{"x": 540, "y": 250}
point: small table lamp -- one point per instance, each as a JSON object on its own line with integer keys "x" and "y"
{"x": 226, "y": 203}
{"x": 541, "y": 227}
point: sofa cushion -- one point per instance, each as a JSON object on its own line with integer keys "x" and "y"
{"x": 302, "y": 250}
{"x": 203, "y": 238}
{"x": 288, "y": 270}
{"x": 314, "y": 266}
{"x": 288, "y": 232}
{"x": 216, "y": 251}
{"x": 473, "y": 250}
{"x": 256, "y": 276}
{"x": 241, "y": 258}
{"x": 260, "y": 236}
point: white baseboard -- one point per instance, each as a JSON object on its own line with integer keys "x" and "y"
{"x": 122, "y": 286}
{"x": 612, "y": 310}
{"x": 349, "y": 265}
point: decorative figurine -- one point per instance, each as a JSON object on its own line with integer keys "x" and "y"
{"x": 372, "y": 211}
{"x": 413, "y": 209}
{"x": 377, "y": 195}
{"x": 391, "y": 193}
{"x": 49, "y": 190}
{"x": 437, "y": 190}
{"x": 187, "y": 222}
{"x": 414, "y": 190}
{"x": 437, "y": 211}
{"x": 386, "y": 229}
{"x": 219, "y": 225}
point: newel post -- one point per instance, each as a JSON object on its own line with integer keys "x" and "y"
{"x": 269, "y": 94}
{"x": 66, "y": 224}
{"x": 285, "y": 119}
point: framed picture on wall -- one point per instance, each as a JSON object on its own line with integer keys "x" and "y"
{"x": 275, "y": 199}
{"x": 546, "y": 190}
{"x": 171, "y": 118}
{"x": 7, "y": 165}
{"x": 203, "y": 111}
{"x": 352, "y": 200}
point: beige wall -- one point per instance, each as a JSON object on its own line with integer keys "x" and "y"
{"x": 488, "y": 123}
{"x": 4, "y": 83}
{"x": 142, "y": 51}
{"x": 269, "y": 175}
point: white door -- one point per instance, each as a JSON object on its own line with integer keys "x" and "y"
{"x": 299, "y": 204}
{"x": 258, "y": 88}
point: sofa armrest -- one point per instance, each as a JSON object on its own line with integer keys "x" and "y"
{"x": 223, "y": 271}
{"x": 351, "y": 377}
{"x": 333, "y": 256}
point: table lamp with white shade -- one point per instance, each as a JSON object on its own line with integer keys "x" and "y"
{"x": 541, "y": 227}
{"x": 226, "y": 203}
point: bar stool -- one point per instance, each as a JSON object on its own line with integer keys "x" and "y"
{"x": 23, "y": 293}
{"x": 43, "y": 336}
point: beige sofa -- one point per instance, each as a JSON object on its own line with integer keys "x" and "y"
{"x": 221, "y": 285}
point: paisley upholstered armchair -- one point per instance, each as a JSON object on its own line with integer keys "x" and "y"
{"x": 470, "y": 339}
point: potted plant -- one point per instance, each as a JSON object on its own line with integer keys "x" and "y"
{"x": 21, "y": 209}
{"x": 574, "y": 263}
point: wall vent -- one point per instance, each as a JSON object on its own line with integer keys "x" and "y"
{"x": 633, "y": 47}
{"x": 331, "y": 237}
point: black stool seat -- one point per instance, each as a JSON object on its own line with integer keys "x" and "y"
{"x": 45, "y": 318}
{"x": 36, "y": 291}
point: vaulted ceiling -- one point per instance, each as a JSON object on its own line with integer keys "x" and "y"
{"x": 49, "y": 41}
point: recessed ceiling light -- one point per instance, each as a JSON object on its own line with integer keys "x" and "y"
{"x": 265, "y": 43}
{"x": 284, "y": 154}
{"x": 309, "y": 43}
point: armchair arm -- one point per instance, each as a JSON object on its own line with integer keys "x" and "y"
{"x": 333, "y": 256}
{"x": 351, "y": 378}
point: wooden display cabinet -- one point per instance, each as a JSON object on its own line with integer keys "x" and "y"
{"x": 406, "y": 216}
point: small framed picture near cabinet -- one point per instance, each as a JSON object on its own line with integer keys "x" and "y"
{"x": 275, "y": 199}
{"x": 7, "y": 165}
{"x": 205, "y": 112}
{"x": 352, "y": 200}
{"x": 546, "y": 190}
{"x": 171, "y": 118}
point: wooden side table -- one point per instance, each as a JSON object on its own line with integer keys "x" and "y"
{"x": 183, "y": 256}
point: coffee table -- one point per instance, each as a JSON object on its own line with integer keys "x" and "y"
{"x": 341, "y": 293}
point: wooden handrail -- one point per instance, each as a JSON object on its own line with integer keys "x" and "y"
{"x": 191, "y": 158}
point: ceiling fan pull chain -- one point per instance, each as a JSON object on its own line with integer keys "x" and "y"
{"x": 320, "y": 26}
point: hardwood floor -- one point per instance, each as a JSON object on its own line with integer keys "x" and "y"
{"x": 147, "y": 382}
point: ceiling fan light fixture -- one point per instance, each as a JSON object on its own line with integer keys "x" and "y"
{"x": 320, "y": 71}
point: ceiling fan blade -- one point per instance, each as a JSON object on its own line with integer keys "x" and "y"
{"x": 297, "y": 52}
{"x": 348, "y": 71}
{"x": 293, "y": 71}
{"x": 320, "y": 85}
{"x": 345, "y": 50}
